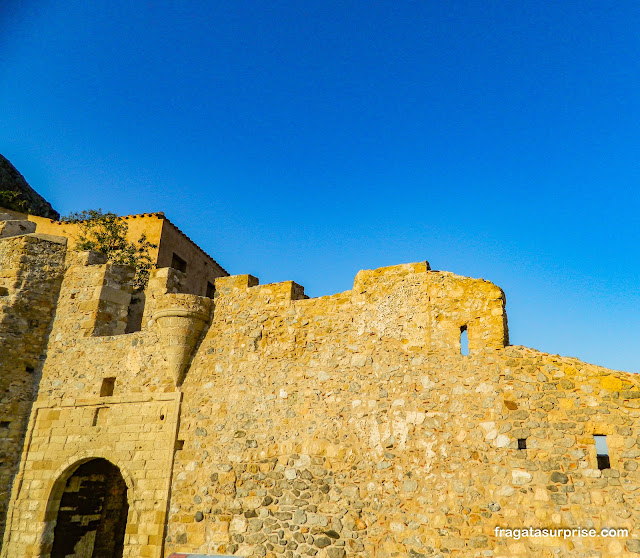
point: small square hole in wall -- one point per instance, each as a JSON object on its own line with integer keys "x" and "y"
{"x": 29, "y": 369}
{"x": 106, "y": 389}
{"x": 5, "y": 424}
{"x": 522, "y": 443}
{"x": 4, "y": 291}
{"x": 179, "y": 444}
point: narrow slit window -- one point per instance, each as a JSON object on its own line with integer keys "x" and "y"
{"x": 522, "y": 443}
{"x": 464, "y": 341}
{"x": 602, "y": 451}
{"x": 106, "y": 389}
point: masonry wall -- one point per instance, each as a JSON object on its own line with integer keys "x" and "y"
{"x": 269, "y": 424}
{"x": 352, "y": 426}
{"x": 133, "y": 424}
{"x": 31, "y": 269}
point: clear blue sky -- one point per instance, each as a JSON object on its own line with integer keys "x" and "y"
{"x": 308, "y": 140}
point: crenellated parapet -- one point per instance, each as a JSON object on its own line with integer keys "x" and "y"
{"x": 424, "y": 310}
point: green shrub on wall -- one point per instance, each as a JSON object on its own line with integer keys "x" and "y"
{"x": 107, "y": 233}
{"x": 13, "y": 200}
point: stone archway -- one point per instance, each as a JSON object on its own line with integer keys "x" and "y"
{"x": 92, "y": 515}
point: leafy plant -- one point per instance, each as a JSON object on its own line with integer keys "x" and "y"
{"x": 107, "y": 233}
{"x": 12, "y": 200}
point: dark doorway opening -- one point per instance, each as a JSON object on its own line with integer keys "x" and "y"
{"x": 93, "y": 512}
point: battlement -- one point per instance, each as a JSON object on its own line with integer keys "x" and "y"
{"x": 423, "y": 309}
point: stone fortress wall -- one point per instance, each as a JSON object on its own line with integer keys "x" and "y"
{"x": 264, "y": 423}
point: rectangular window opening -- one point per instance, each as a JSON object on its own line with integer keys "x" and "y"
{"x": 178, "y": 263}
{"x": 522, "y": 443}
{"x": 106, "y": 389}
{"x": 5, "y": 424}
{"x": 602, "y": 451}
{"x": 179, "y": 444}
{"x": 464, "y": 341}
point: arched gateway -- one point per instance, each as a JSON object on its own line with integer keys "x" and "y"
{"x": 92, "y": 513}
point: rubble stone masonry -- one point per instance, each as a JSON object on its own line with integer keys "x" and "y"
{"x": 262, "y": 423}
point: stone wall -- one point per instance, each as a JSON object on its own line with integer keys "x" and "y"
{"x": 351, "y": 425}
{"x": 103, "y": 394}
{"x": 31, "y": 269}
{"x": 270, "y": 424}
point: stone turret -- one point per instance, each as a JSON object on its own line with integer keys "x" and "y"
{"x": 180, "y": 319}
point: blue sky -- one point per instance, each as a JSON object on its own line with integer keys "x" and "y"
{"x": 308, "y": 140}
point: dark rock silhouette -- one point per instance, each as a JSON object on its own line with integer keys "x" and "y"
{"x": 28, "y": 200}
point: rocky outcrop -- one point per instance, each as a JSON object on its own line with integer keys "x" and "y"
{"x": 16, "y": 194}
